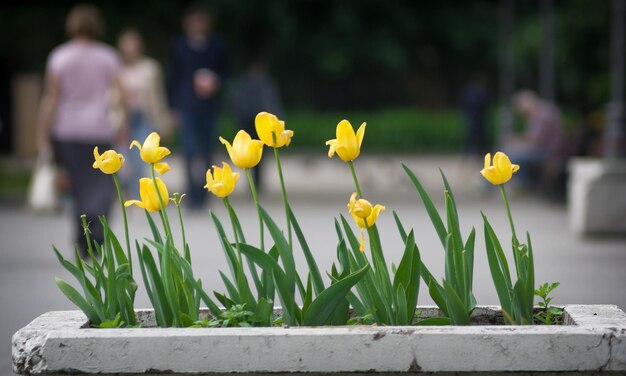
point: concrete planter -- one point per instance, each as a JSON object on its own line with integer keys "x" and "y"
{"x": 593, "y": 338}
{"x": 596, "y": 199}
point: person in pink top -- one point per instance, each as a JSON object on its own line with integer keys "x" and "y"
{"x": 73, "y": 116}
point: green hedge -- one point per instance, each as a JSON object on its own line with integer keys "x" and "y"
{"x": 395, "y": 129}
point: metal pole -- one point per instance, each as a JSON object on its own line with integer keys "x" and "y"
{"x": 546, "y": 58}
{"x": 507, "y": 70}
{"x": 614, "y": 136}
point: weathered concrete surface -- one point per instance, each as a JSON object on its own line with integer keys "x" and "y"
{"x": 597, "y": 196}
{"x": 593, "y": 341}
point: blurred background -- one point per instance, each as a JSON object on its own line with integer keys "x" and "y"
{"x": 438, "y": 84}
{"x": 403, "y": 65}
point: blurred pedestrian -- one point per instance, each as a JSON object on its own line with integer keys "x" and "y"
{"x": 143, "y": 85}
{"x": 541, "y": 148}
{"x": 73, "y": 115}
{"x": 475, "y": 102}
{"x": 252, "y": 92}
{"x": 199, "y": 64}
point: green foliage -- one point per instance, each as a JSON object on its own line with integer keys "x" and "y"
{"x": 381, "y": 298}
{"x": 108, "y": 287}
{"x": 516, "y": 299}
{"x": 172, "y": 288}
{"x": 320, "y": 303}
{"x": 454, "y": 295}
{"x": 235, "y": 316}
{"x": 549, "y": 315}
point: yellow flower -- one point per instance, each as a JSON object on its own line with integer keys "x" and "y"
{"x": 501, "y": 171}
{"x": 270, "y": 128}
{"x": 244, "y": 152}
{"x": 222, "y": 181}
{"x": 364, "y": 215}
{"x": 109, "y": 162}
{"x": 347, "y": 144}
{"x": 148, "y": 193}
{"x": 151, "y": 152}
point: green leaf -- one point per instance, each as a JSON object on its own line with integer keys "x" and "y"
{"x": 231, "y": 257}
{"x": 402, "y": 318}
{"x": 327, "y": 301}
{"x": 498, "y": 267}
{"x": 284, "y": 250}
{"x": 75, "y": 297}
{"x": 435, "y": 321}
{"x": 456, "y": 309}
{"x": 437, "y": 293}
{"x": 308, "y": 297}
{"x": 428, "y": 204}
{"x": 408, "y": 274}
{"x": 156, "y": 235}
{"x": 316, "y": 276}
{"x": 153, "y": 282}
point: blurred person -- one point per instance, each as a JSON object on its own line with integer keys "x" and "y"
{"x": 541, "y": 148}
{"x": 142, "y": 82}
{"x": 199, "y": 65}
{"x": 252, "y": 92}
{"x": 73, "y": 115}
{"x": 475, "y": 102}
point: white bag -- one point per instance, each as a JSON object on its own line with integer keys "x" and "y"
{"x": 42, "y": 193}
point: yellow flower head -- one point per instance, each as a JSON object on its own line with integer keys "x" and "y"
{"x": 222, "y": 181}
{"x": 148, "y": 193}
{"x": 244, "y": 152}
{"x": 150, "y": 151}
{"x": 364, "y": 215}
{"x": 501, "y": 171}
{"x": 271, "y": 130}
{"x": 109, "y": 162}
{"x": 347, "y": 144}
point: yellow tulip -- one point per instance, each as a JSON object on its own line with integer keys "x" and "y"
{"x": 271, "y": 130}
{"x": 347, "y": 144}
{"x": 148, "y": 193}
{"x": 244, "y": 152}
{"x": 364, "y": 215}
{"x": 501, "y": 171}
{"x": 109, "y": 162}
{"x": 222, "y": 181}
{"x": 150, "y": 151}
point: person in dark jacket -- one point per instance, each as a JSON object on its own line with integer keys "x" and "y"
{"x": 198, "y": 69}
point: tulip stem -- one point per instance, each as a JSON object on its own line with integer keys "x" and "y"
{"x": 177, "y": 199}
{"x": 356, "y": 180}
{"x": 121, "y": 198}
{"x": 508, "y": 212}
{"x": 255, "y": 197}
{"x": 283, "y": 191}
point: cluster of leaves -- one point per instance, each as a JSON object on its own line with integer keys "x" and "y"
{"x": 321, "y": 304}
{"x": 454, "y": 295}
{"x": 107, "y": 284}
{"x": 549, "y": 315}
{"x": 172, "y": 288}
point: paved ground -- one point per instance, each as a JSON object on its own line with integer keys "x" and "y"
{"x": 590, "y": 270}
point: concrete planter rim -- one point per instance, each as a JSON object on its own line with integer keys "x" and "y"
{"x": 592, "y": 338}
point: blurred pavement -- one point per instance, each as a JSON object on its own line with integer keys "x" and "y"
{"x": 590, "y": 270}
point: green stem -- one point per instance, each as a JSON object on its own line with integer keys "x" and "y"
{"x": 182, "y": 229}
{"x": 255, "y": 197}
{"x": 83, "y": 219}
{"x": 121, "y": 198}
{"x": 283, "y": 191}
{"x": 356, "y": 180}
{"x": 508, "y": 211}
